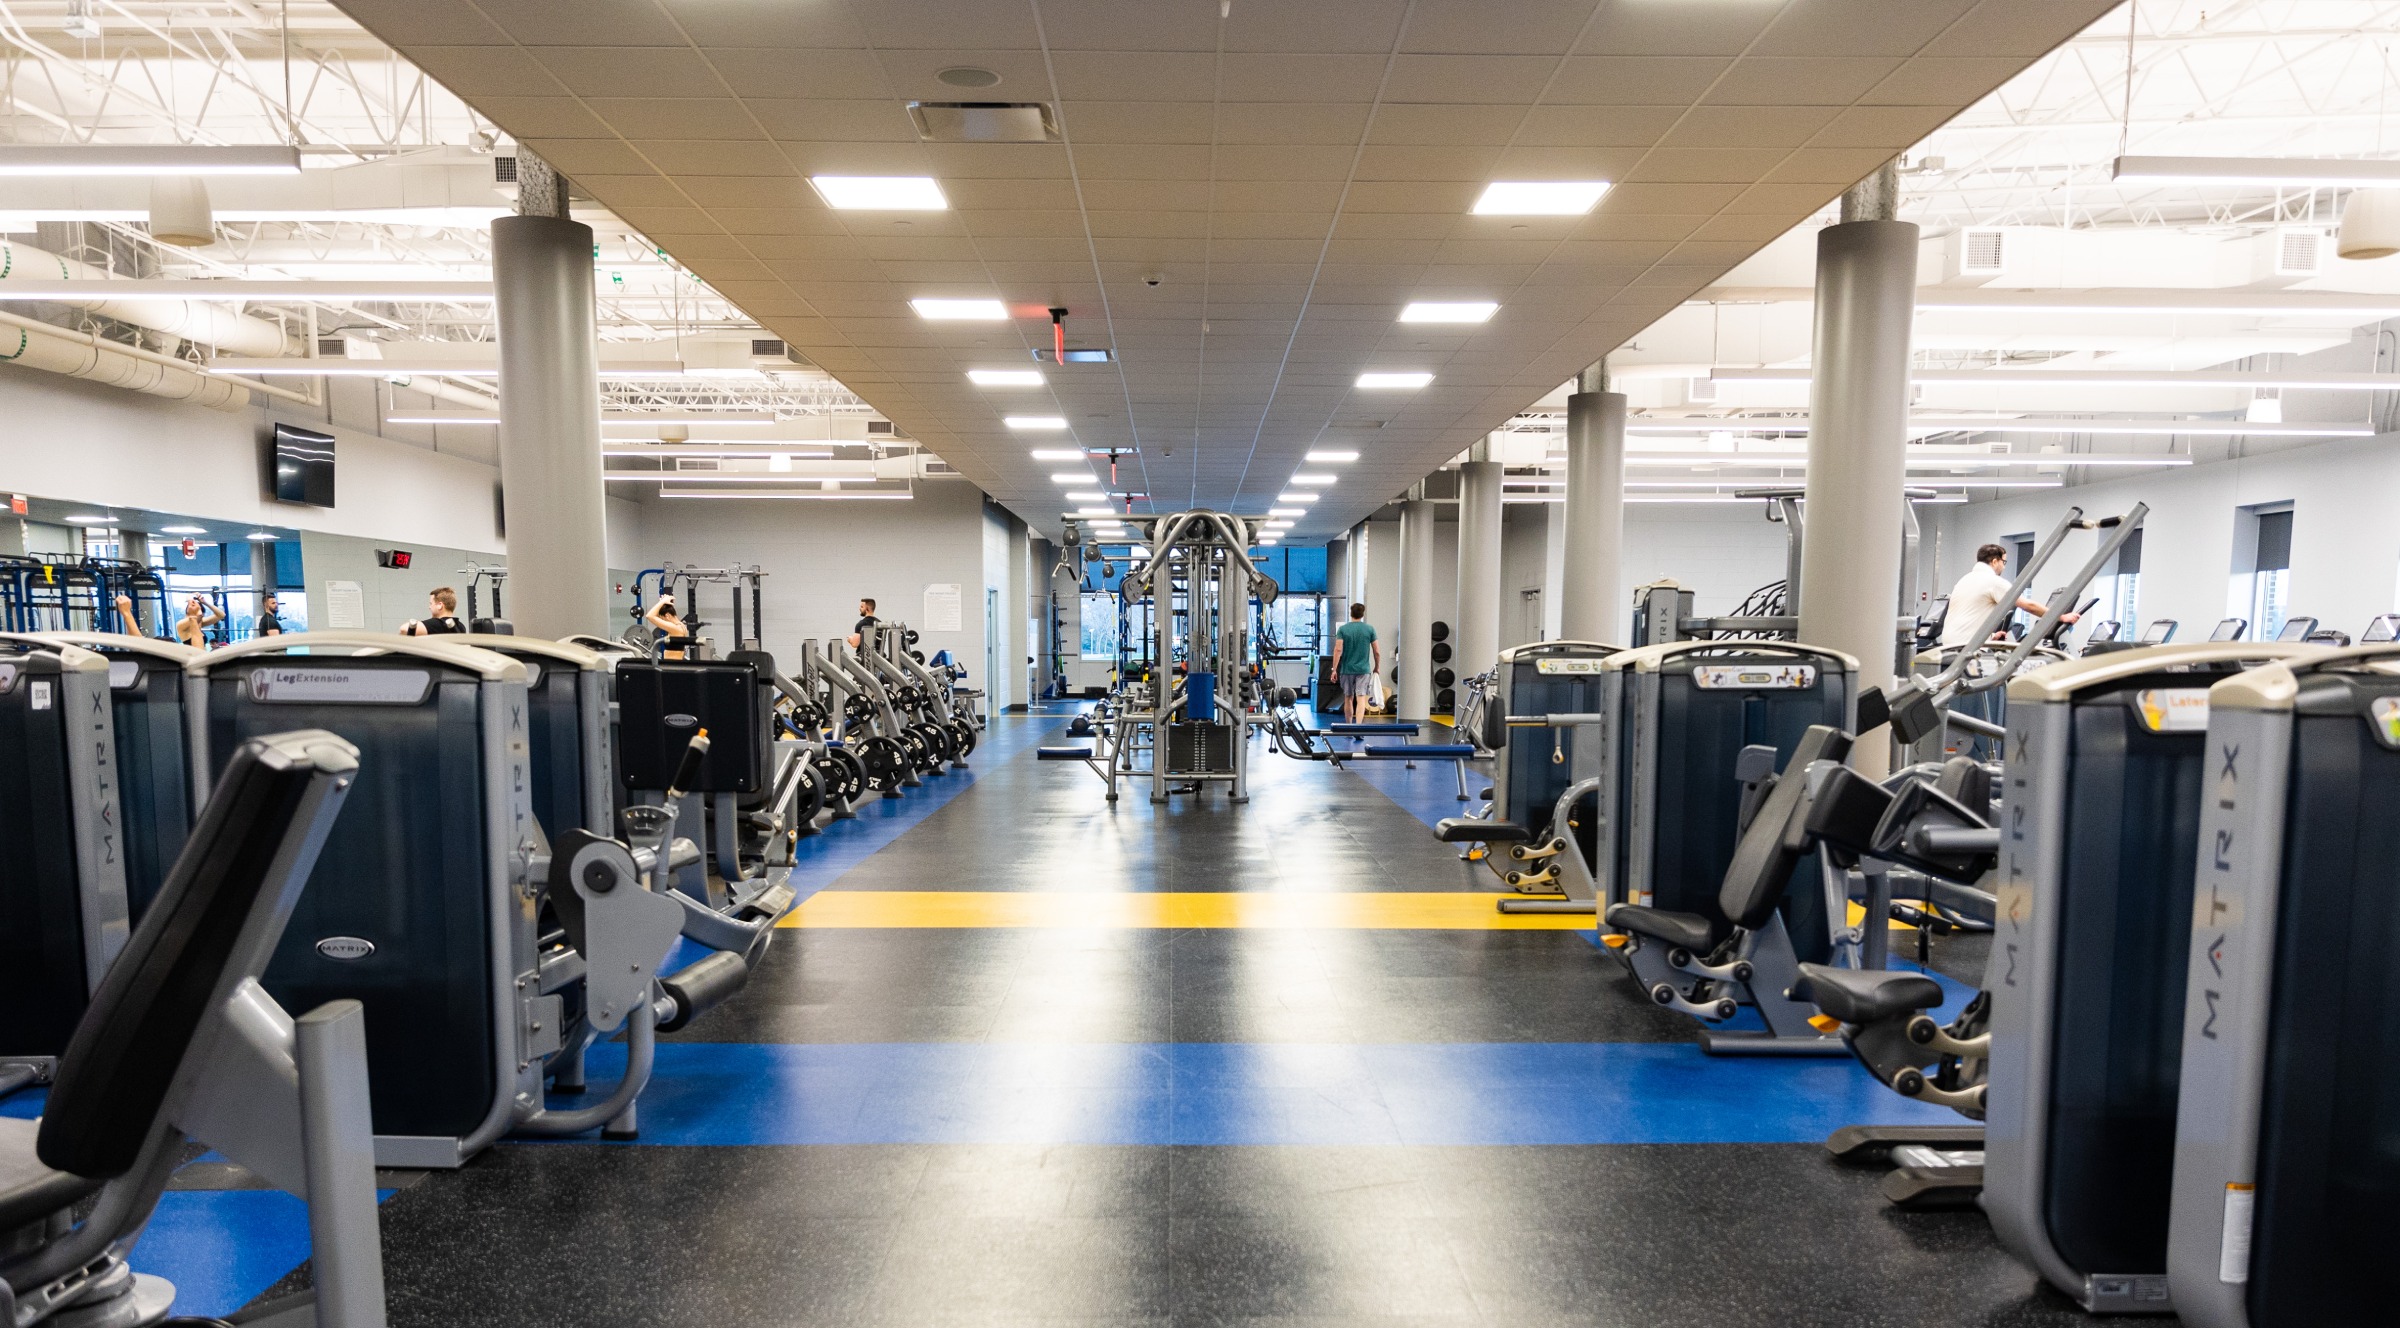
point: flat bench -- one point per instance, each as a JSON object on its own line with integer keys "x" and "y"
{"x": 1432, "y": 751}
{"x": 1363, "y": 730}
{"x": 1469, "y": 830}
{"x": 1063, "y": 754}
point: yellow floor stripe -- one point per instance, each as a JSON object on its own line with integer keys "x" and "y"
{"x": 1112, "y": 911}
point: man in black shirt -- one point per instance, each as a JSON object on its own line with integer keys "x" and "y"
{"x": 269, "y": 622}
{"x": 865, "y": 631}
{"x": 441, "y": 618}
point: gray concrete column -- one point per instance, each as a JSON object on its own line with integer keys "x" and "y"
{"x": 554, "y": 499}
{"x": 1858, "y": 409}
{"x": 1415, "y": 651}
{"x": 1337, "y": 581}
{"x": 1594, "y": 513}
{"x": 1476, "y": 645}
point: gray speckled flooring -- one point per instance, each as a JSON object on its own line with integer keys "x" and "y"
{"x": 1723, "y": 1235}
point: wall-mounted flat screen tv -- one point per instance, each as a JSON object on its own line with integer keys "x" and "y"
{"x": 303, "y": 466}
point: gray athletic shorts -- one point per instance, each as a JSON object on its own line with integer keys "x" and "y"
{"x": 1356, "y": 684}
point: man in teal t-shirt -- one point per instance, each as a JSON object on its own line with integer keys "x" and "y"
{"x": 1358, "y": 660}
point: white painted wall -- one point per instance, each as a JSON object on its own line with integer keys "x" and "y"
{"x": 821, "y": 557}
{"x": 2345, "y": 537}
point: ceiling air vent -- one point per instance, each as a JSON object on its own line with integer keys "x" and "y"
{"x": 697, "y": 463}
{"x": 879, "y": 429}
{"x": 1983, "y": 252}
{"x": 1700, "y": 392}
{"x": 504, "y": 170}
{"x": 983, "y": 122}
{"x": 933, "y": 467}
{"x": 2299, "y": 253}
{"x": 771, "y": 348}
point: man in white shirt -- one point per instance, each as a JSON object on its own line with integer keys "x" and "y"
{"x": 1979, "y": 592}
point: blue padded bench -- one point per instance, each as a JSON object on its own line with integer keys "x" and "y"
{"x": 1361, "y": 730}
{"x": 1063, "y": 754}
{"x": 1436, "y": 751}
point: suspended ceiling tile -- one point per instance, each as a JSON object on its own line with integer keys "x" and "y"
{"x": 764, "y": 71}
{"x": 766, "y": 23}
{"x": 677, "y": 117}
{"x": 1338, "y": 124}
{"x": 914, "y": 73}
{"x": 480, "y": 72}
{"x": 1800, "y": 81}
{"x": 1647, "y": 27}
{"x": 1649, "y": 80}
{"x": 1881, "y": 126}
{"x": 1297, "y": 77}
{"x": 1754, "y": 126}
{"x": 1129, "y": 76}
{"x": 549, "y": 117}
{"x": 833, "y": 121}
{"x": 629, "y": 71}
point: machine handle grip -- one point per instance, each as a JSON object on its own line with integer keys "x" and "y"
{"x": 687, "y": 772}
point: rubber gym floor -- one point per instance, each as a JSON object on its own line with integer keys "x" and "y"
{"x": 1025, "y": 1059}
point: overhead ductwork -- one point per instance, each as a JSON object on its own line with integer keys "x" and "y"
{"x": 59, "y": 350}
{"x": 207, "y": 322}
{"x": 179, "y": 212}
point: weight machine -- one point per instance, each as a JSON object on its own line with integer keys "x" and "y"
{"x": 746, "y": 583}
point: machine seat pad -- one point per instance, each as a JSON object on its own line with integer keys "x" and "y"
{"x": 1474, "y": 830}
{"x": 1865, "y": 996}
{"x": 30, "y": 1191}
{"x": 1063, "y": 754}
{"x": 1350, "y": 729}
{"x": 1431, "y": 751}
{"x": 1688, "y": 930}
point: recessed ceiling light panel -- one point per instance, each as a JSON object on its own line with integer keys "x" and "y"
{"x": 1387, "y": 381}
{"x": 1539, "y": 198}
{"x": 1005, "y": 377}
{"x": 881, "y": 193}
{"x": 960, "y": 311}
{"x": 1332, "y": 458}
{"x": 1034, "y": 421}
{"x": 1449, "y": 311}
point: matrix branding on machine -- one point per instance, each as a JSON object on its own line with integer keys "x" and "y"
{"x": 1781, "y": 677}
{"x": 2172, "y": 709}
{"x": 345, "y": 947}
{"x": 2383, "y": 716}
{"x": 1566, "y": 666}
{"x": 123, "y": 673}
{"x": 355, "y": 686}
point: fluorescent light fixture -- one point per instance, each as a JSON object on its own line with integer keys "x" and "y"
{"x": 1539, "y": 198}
{"x": 1318, "y": 480}
{"x": 147, "y": 159}
{"x": 769, "y": 450}
{"x": 261, "y": 537}
{"x": 960, "y": 311}
{"x": 1287, "y": 511}
{"x": 1377, "y": 381}
{"x": 2316, "y": 172}
{"x": 1005, "y": 377}
{"x": 1925, "y": 424}
{"x": 1095, "y": 511}
{"x": 443, "y": 417}
{"x": 183, "y": 530}
{"x": 1296, "y": 498}
{"x": 1332, "y": 458}
{"x": 643, "y": 417}
{"x": 1057, "y": 454}
{"x": 1076, "y": 477}
{"x": 1034, "y": 421}
{"x": 845, "y": 495}
{"x": 1449, "y": 311}
{"x": 240, "y": 289}
{"x": 881, "y": 193}
{"x": 89, "y": 519}
{"x": 1087, "y": 496}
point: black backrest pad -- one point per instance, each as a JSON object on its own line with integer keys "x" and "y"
{"x": 41, "y": 912}
{"x": 125, "y": 1053}
{"x": 1768, "y": 854}
{"x": 1701, "y": 734}
{"x": 405, "y": 870}
{"x": 764, "y": 663}
{"x": 154, "y": 790}
{"x": 2124, "y": 923}
{"x": 722, "y": 694}
{"x": 2329, "y": 1140}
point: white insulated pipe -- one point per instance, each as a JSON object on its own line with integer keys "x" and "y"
{"x": 211, "y": 323}
{"x": 59, "y": 350}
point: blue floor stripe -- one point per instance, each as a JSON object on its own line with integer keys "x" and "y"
{"x": 822, "y": 858}
{"x": 221, "y": 1248}
{"x": 1250, "y": 1094}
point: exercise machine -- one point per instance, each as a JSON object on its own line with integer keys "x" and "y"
{"x": 181, "y": 1046}
{"x": 2285, "y": 1173}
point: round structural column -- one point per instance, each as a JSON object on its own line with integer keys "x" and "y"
{"x": 1858, "y": 413}
{"x": 1415, "y": 653}
{"x": 554, "y": 499}
{"x": 1478, "y": 643}
{"x": 1594, "y": 514}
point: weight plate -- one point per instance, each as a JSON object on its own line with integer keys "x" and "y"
{"x": 1445, "y": 700}
{"x": 883, "y": 760}
{"x": 966, "y": 737}
{"x": 1444, "y": 677}
{"x": 853, "y": 771}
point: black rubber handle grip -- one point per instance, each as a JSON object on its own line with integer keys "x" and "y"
{"x": 687, "y": 773}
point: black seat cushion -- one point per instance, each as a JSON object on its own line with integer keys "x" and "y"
{"x": 1688, "y": 930}
{"x": 126, "y": 1051}
{"x": 1472, "y": 830}
{"x": 30, "y": 1191}
{"x": 1857, "y": 996}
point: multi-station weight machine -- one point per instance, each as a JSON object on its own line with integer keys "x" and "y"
{"x": 745, "y": 584}
{"x": 1191, "y": 709}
